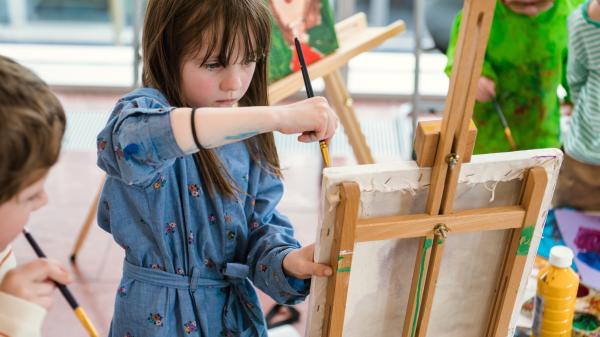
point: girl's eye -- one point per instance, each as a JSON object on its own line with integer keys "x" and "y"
{"x": 212, "y": 66}
{"x": 249, "y": 62}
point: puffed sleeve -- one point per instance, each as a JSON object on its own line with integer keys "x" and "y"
{"x": 270, "y": 240}
{"x": 138, "y": 141}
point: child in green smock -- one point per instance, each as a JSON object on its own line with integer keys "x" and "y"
{"x": 523, "y": 66}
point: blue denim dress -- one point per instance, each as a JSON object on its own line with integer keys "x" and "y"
{"x": 190, "y": 259}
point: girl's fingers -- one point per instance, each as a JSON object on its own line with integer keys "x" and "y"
{"x": 316, "y": 269}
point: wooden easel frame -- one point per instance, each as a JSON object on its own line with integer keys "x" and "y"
{"x": 454, "y": 143}
{"x": 354, "y": 38}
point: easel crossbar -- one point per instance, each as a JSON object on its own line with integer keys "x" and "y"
{"x": 418, "y": 225}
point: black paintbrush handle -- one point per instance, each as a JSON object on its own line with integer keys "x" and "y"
{"x": 307, "y": 84}
{"x": 63, "y": 289}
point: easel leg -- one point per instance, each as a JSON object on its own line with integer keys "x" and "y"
{"x": 342, "y": 102}
{"x": 87, "y": 224}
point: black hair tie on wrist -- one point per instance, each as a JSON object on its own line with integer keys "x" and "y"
{"x": 194, "y": 130}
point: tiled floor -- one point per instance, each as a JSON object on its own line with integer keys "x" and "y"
{"x": 74, "y": 181}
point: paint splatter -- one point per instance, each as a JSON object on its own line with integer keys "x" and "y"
{"x": 131, "y": 150}
{"x": 525, "y": 241}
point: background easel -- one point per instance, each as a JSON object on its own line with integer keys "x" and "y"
{"x": 447, "y": 146}
{"x": 354, "y": 38}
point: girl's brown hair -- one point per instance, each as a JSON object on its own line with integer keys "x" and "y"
{"x": 31, "y": 128}
{"x": 175, "y": 30}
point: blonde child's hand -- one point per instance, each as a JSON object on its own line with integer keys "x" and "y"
{"x": 299, "y": 263}
{"x": 33, "y": 281}
{"x": 313, "y": 117}
{"x": 486, "y": 90}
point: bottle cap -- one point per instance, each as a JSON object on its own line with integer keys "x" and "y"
{"x": 561, "y": 256}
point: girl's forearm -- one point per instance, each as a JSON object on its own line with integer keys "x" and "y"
{"x": 220, "y": 126}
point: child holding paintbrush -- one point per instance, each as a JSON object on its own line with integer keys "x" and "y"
{"x": 579, "y": 180}
{"x": 31, "y": 128}
{"x": 523, "y": 67}
{"x": 194, "y": 180}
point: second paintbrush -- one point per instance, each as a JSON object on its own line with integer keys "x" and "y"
{"x": 507, "y": 132}
{"x": 81, "y": 315}
{"x": 310, "y": 93}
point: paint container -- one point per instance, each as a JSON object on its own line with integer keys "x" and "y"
{"x": 586, "y": 325}
{"x": 556, "y": 294}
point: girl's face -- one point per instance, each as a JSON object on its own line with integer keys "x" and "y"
{"x": 213, "y": 84}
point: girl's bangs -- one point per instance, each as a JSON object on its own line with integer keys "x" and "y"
{"x": 229, "y": 30}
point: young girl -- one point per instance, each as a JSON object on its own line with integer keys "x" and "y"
{"x": 191, "y": 192}
{"x": 523, "y": 66}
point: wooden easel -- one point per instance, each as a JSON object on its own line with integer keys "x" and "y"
{"x": 447, "y": 149}
{"x": 354, "y": 38}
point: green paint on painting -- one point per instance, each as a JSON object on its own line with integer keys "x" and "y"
{"x": 525, "y": 241}
{"x": 343, "y": 270}
{"x": 340, "y": 258}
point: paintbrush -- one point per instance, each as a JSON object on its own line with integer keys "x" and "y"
{"x": 81, "y": 315}
{"x": 507, "y": 132}
{"x": 310, "y": 93}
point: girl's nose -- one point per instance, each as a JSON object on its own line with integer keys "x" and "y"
{"x": 232, "y": 80}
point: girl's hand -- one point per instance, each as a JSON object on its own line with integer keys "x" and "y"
{"x": 486, "y": 90}
{"x": 299, "y": 264}
{"x": 312, "y": 117}
{"x": 33, "y": 281}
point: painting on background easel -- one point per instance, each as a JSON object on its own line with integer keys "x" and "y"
{"x": 309, "y": 20}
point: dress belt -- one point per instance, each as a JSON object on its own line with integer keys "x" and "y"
{"x": 235, "y": 276}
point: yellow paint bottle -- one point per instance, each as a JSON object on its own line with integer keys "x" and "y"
{"x": 556, "y": 294}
